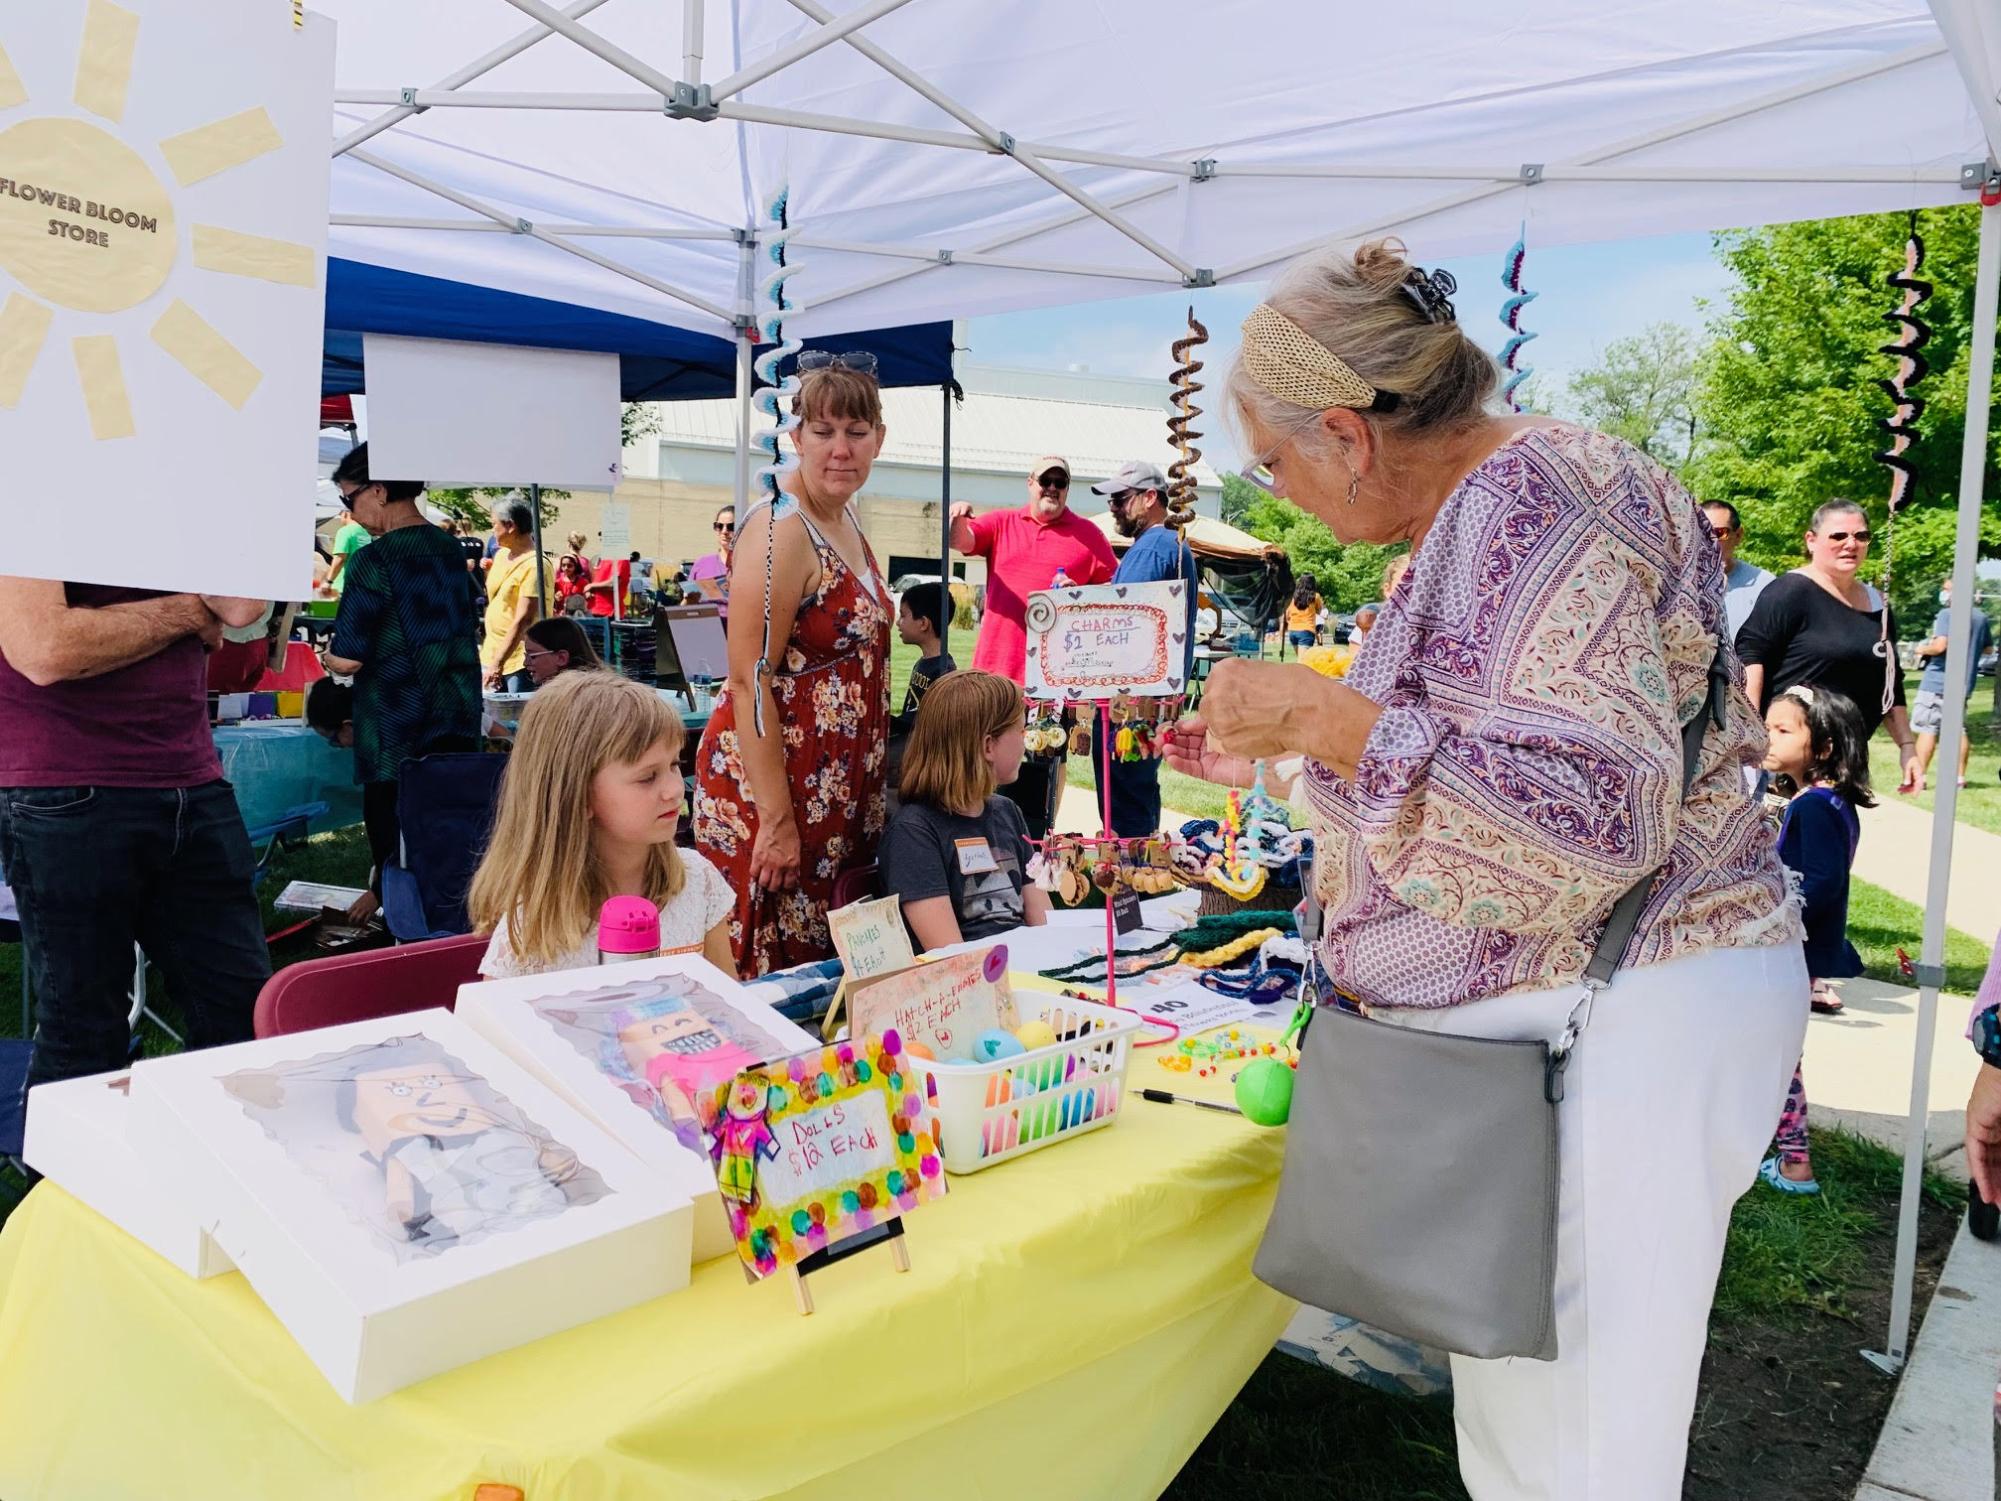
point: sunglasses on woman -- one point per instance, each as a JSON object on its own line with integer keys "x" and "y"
{"x": 858, "y": 360}
{"x": 1861, "y": 536}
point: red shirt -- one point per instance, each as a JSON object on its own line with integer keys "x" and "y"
{"x": 601, "y": 603}
{"x": 142, "y": 725}
{"x": 1023, "y": 555}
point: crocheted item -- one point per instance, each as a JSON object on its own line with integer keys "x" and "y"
{"x": 1236, "y": 948}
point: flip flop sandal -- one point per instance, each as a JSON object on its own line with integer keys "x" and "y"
{"x": 1826, "y": 1002}
{"x": 1771, "y": 1177}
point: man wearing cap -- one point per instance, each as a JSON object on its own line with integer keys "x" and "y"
{"x": 1137, "y": 496}
{"x": 1025, "y": 551}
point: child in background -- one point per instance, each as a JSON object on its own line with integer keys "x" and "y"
{"x": 589, "y": 805}
{"x": 920, "y": 622}
{"x": 1818, "y": 757}
{"x": 956, "y": 852}
{"x": 1302, "y": 616}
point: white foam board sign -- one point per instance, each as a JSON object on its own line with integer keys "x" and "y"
{"x": 76, "y": 1138}
{"x": 163, "y": 224}
{"x": 457, "y": 414}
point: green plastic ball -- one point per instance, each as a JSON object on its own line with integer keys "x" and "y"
{"x": 1264, "y": 1092}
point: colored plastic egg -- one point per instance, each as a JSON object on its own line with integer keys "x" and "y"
{"x": 994, "y": 1044}
{"x": 918, "y": 1050}
{"x": 1035, "y": 1034}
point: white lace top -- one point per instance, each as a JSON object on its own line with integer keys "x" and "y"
{"x": 704, "y": 900}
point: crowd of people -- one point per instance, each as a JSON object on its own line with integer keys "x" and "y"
{"x": 1502, "y": 762}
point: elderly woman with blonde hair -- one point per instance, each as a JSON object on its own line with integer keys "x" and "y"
{"x": 1501, "y": 763}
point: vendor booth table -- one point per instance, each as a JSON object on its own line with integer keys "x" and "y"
{"x": 1073, "y": 1323}
{"x": 277, "y": 765}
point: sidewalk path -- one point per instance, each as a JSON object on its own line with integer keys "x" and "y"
{"x": 1895, "y": 853}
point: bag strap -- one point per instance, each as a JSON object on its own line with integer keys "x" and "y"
{"x": 1626, "y": 911}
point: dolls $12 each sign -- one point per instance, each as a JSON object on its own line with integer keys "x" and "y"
{"x": 812, "y": 1149}
{"x": 1106, "y": 639}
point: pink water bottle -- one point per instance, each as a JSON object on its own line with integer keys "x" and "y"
{"x": 628, "y": 929}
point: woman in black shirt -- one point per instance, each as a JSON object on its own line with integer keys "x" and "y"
{"x": 1821, "y": 625}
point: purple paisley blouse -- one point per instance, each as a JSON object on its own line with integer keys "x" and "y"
{"x": 1534, "y": 667}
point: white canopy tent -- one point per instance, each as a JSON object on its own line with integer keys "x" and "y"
{"x": 947, "y": 160}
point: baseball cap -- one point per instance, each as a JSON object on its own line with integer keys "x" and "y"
{"x": 1048, "y": 462}
{"x": 1136, "y": 475}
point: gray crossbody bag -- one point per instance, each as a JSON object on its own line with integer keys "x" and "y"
{"x": 1419, "y": 1191}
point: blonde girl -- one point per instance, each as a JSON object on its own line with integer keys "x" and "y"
{"x": 588, "y": 809}
{"x": 956, "y": 852}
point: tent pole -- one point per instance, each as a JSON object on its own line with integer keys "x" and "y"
{"x": 693, "y": 13}
{"x": 1966, "y": 546}
{"x": 945, "y": 526}
{"x": 740, "y": 485}
{"x": 541, "y": 566}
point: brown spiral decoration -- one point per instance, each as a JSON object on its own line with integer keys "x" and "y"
{"x": 1181, "y": 473}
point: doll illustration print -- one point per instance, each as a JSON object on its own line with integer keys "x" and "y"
{"x": 664, "y": 1041}
{"x": 420, "y": 1150}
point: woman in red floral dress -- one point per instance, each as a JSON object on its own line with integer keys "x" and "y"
{"x": 782, "y": 808}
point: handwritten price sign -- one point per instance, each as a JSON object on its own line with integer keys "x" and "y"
{"x": 943, "y": 1004}
{"x": 1106, "y": 639}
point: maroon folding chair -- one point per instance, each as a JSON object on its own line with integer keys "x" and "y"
{"x": 358, "y": 987}
{"x": 857, "y": 883}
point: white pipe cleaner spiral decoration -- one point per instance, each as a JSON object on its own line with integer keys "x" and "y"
{"x": 774, "y": 399}
{"x": 1511, "y": 318}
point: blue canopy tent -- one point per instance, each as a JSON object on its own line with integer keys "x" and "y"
{"x": 657, "y": 361}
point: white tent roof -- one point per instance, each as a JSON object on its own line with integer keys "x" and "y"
{"x": 996, "y": 431}
{"x": 1309, "y": 122}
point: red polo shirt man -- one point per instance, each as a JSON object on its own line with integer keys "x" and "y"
{"x": 1025, "y": 550}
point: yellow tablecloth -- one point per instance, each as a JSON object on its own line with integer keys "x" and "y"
{"x": 1072, "y": 1324}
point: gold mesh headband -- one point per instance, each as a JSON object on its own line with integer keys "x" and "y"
{"x": 1296, "y": 367}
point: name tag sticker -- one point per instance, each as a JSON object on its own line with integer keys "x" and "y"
{"x": 976, "y": 857}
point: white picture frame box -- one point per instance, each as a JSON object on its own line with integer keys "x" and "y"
{"x": 504, "y": 1012}
{"x": 285, "y": 1208}
{"x": 77, "y": 1139}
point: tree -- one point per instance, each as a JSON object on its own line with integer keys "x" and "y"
{"x": 1642, "y": 389}
{"x": 1788, "y": 403}
{"x": 1349, "y": 575}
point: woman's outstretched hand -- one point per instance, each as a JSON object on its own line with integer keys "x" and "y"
{"x": 1191, "y": 752}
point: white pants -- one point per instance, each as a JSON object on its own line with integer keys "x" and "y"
{"x": 1671, "y": 1097}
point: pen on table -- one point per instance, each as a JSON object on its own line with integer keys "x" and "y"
{"x": 1164, "y": 1097}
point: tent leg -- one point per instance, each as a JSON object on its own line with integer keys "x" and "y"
{"x": 1966, "y": 545}
{"x": 740, "y": 487}
{"x": 945, "y": 527}
{"x": 541, "y": 563}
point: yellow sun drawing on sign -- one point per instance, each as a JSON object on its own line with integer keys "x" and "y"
{"x": 87, "y": 225}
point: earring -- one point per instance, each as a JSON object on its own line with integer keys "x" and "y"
{"x": 1354, "y": 483}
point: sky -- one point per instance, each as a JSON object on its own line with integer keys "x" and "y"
{"x": 1589, "y": 296}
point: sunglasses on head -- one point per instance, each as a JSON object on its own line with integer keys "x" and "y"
{"x": 858, "y": 360}
{"x": 1862, "y": 536}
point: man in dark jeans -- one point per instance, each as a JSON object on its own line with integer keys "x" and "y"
{"x": 115, "y": 824}
{"x": 408, "y": 635}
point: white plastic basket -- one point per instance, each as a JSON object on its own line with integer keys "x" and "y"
{"x": 989, "y": 1112}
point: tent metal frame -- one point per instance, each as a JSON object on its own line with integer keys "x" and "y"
{"x": 1962, "y": 25}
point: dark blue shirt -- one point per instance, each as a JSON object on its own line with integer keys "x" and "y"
{"x": 1817, "y": 839}
{"x": 1156, "y": 554}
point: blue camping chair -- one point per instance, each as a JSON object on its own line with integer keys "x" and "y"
{"x": 444, "y": 808}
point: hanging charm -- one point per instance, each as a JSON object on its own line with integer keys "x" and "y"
{"x": 1181, "y": 473}
{"x": 1912, "y": 336}
{"x": 1511, "y": 319}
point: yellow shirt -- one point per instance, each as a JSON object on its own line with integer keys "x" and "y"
{"x": 511, "y": 577}
{"x": 1303, "y": 618}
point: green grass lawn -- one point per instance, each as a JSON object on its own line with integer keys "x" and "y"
{"x": 1879, "y": 922}
{"x": 1980, "y": 799}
